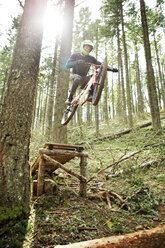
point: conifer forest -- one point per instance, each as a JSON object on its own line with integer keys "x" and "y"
{"x": 99, "y": 179}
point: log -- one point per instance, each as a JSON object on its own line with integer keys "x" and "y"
{"x": 153, "y": 238}
{"x": 131, "y": 155}
{"x": 59, "y": 165}
{"x": 62, "y": 152}
{"x": 143, "y": 165}
{"x": 52, "y": 146}
{"x": 116, "y": 135}
{"x": 35, "y": 165}
{"x": 125, "y": 158}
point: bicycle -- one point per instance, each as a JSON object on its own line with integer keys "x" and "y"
{"x": 97, "y": 83}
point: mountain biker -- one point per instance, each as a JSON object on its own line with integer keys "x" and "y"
{"x": 78, "y": 63}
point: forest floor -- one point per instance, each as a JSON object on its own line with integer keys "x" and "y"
{"x": 126, "y": 197}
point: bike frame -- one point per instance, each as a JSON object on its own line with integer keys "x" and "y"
{"x": 83, "y": 96}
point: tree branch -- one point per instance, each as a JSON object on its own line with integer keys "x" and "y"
{"x": 21, "y": 4}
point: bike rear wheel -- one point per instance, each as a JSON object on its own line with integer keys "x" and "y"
{"x": 68, "y": 114}
{"x": 99, "y": 84}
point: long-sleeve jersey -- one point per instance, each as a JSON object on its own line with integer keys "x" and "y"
{"x": 81, "y": 69}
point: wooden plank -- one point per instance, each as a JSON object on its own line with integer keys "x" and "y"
{"x": 35, "y": 165}
{"x": 83, "y": 184}
{"x": 66, "y": 153}
{"x": 81, "y": 178}
{"x": 52, "y": 146}
{"x": 40, "y": 184}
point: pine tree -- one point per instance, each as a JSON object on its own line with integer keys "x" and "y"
{"x": 59, "y": 131}
{"x": 155, "y": 114}
{"x": 16, "y": 116}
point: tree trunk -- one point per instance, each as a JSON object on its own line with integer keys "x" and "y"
{"x": 121, "y": 78}
{"x": 51, "y": 94}
{"x": 16, "y": 117}
{"x": 119, "y": 109}
{"x": 159, "y": 71}
{"x": 105, "y": 103}
{"x": 140, "y": 99}
{"x": 59, "y": 131}
{"x": 155, "y": 114}
{"x": 38, "y": 107}
{"x": 97, "y": 106}
{"x": 44, "y": 110}
{"x": 127, "y": 74}
{"x": 89, "y": 113}
{"x": 105, "y": 106}
{"x": 97, "y": 120}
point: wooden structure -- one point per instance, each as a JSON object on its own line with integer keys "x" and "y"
{"x": 52, "y": 156}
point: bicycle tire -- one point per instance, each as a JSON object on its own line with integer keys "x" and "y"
{"x": 68, "y": 114}
{"x": 99, "y": 84}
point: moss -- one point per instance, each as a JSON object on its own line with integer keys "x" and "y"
{"x": 9, "y": 214}
{"x": 16, "y": 235}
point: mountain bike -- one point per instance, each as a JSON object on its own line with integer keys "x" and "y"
{"x": 95, "y": 84}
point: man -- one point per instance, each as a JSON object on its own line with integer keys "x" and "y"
{"x": 78, "y": 63}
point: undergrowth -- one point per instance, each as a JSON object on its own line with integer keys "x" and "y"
{"x": 138, "y": 180}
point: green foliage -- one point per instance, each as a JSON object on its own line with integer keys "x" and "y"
{"x": 16, "y": 234}
{"x": 143, "y": 200}
{"x": 14, "y": 212}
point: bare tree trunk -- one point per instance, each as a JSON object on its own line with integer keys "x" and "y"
{"x": 59, "y": 131}
{"x": 130, "y": 119}
{"x": 16, "y": 117}
{"x": 159, "y": 71}
{"x": 121, "y": 78}
{"x": 97, "y": 106}
{"x": 89, "y": 113}
{"x": 44, "y": 111}
{"x": 119, "y": 110}
{"x": 105, "y": 103}
{"x": 51, "y": 94}
{"x": 155, "y": 114}
{"x": 140, "y": 99}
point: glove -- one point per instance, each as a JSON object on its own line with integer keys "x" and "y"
{"x": 115, "y": 70}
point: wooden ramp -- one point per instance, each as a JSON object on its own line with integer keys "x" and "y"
{"x": 52, "y": 156}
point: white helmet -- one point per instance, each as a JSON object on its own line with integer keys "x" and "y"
{"x": 87, "y": 43}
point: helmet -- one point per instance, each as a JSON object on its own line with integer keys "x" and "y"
{"x": 88, "y": 43}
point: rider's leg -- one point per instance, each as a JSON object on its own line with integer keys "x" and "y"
{"x": 76, "y": 79}
{"x": 84, "y": 81}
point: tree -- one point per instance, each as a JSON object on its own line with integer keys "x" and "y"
{"x": 129, "y": 105}
{"x": 51, "y": 94}
{"x": 155, "y": 114}
{"x": 6, "y": 56}
{"x": 59, "y": 131}
{"x": 16, "y": 116}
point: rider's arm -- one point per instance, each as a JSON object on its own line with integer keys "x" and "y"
{"x": 108, "y": 67}
{"x": 71, "y": 62}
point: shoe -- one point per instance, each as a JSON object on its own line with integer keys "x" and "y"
{"x": 68, "y": 102}
{"x": 90, "y": 98}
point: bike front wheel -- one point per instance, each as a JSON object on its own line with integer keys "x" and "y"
{"x": 68, "y": 114}
{"x": 99, "y": 84}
